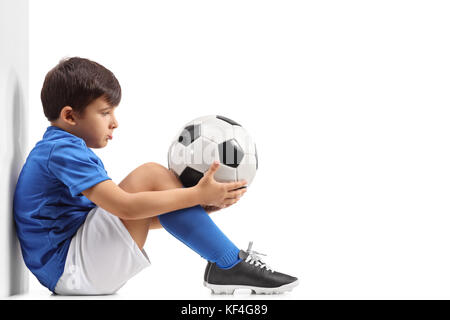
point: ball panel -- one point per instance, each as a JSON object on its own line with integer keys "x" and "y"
{"x": 217, "y": 130}
{"x": 244, "y": 140}
{"x": 176, "y": 158}
{"x": 247, "y": 168}
{"x": 189, "y": 134}
{"x": 230, "y": 153}
{"x": 233, "y": 123}
{"x": 225, "y": 174}
{"x": 203, "y": 152}
{"x": 197, "y": 121}
{"x": 190, "y": 177}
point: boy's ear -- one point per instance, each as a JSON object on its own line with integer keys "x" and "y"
{"x": 67, "y": 115}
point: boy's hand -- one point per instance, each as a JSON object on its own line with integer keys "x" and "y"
{"x": 216, "y": 194}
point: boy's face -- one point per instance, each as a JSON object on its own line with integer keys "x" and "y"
{"x": 97, "y": 123}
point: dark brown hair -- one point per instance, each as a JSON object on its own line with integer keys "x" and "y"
{"x": 76, "y": 82}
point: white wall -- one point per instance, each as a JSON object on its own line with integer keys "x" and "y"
{"x": 13, "y": 136}
{"x": 347, "y": 101}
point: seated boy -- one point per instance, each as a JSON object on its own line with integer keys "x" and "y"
{"x": 81, "y": 234}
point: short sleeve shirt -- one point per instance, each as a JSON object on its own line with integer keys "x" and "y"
{"x": 48, "y": 204}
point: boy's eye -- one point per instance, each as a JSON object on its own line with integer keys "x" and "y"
{"x": 105, "y": 113}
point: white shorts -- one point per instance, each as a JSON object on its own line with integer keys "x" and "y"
{"x": 102, "y": 257}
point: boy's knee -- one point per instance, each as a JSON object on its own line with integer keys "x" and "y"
{"x": 154, "y": 166}
{"x": 162, "y": 176}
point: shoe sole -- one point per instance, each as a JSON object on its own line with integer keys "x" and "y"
{"x": 229, "y": 289}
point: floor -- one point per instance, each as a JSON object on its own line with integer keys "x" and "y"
{"x": 149, "y": 285}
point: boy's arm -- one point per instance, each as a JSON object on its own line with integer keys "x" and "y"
{"x": 141, "y": 205}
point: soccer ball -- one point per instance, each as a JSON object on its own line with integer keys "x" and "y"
{"x": 213, "y": 138}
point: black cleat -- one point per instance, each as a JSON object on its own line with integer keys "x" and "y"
{"x": 250, "y": 273}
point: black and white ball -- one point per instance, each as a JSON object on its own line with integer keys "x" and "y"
{"x": 213, "y": 138}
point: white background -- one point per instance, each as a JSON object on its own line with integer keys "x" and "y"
{"x": 348, "y": 102}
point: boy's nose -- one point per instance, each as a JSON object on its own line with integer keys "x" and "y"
{"x": 114, "y": 124}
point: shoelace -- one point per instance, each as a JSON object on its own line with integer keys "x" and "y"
{"x": 253, "y": 258}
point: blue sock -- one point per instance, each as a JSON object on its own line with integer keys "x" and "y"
{"x": 195, "y": 228}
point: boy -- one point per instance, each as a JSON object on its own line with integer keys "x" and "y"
{"x": 80, "y": 233}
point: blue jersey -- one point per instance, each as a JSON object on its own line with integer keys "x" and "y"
{"x": 48, "y": 204}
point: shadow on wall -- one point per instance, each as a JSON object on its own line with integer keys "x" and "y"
{"x": 15, "y": 134}
{"x": 13, "y": 137}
